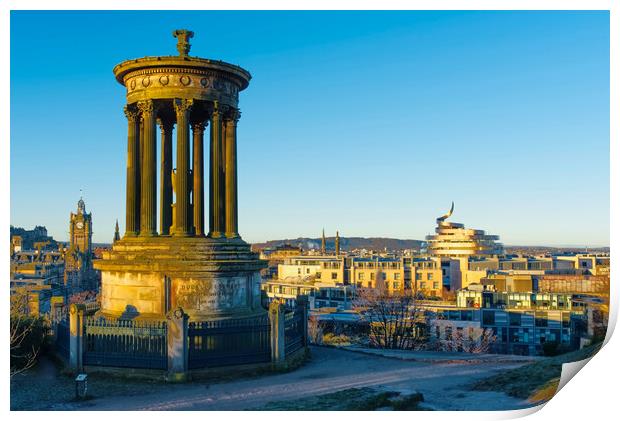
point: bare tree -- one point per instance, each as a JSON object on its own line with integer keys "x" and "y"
{"x": 395, "y": 320}
{"x": 476, "y": 340}
{"x": 27, "y": 334}
{"x": 315, "y": 330}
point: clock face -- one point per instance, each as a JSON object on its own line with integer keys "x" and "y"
{"x": 80, "y": 225}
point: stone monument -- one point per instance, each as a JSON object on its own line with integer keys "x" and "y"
{"x": 209, "y": 274}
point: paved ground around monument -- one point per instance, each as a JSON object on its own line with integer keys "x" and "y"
{"x": 445, "y": 385}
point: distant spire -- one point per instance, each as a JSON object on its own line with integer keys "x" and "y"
{"x": 117, "y": 235}
{"x": 337, "y": 244}
{"x": 323, "y": 243}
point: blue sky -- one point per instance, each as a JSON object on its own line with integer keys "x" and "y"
{"x": 366, "y": 122}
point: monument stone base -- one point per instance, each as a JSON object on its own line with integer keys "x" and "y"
{"x": 146, "y": 277}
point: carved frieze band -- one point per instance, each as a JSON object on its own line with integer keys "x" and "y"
{"x": 205, "y": 80}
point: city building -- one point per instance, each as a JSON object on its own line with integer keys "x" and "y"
{"x": 328, "y": 269}
{"x": 488, "y": 298}
{"x": 515, "y": 331}
{"x": 390, "y": 275}
{"x": 319, "y": 295}
{"x": 502, "y": 281}
{"x": 453, "y": 240}
{"x": 577, "y": 284}
{"x": 22, "y": 239}
{"x": 427, "y": 276}
{"x": 590, "y": 264}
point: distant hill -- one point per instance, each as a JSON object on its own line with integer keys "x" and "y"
{"x": 346, "y": 243}
{"x": 553, "y": 250}
{"x": 380, "y": 244}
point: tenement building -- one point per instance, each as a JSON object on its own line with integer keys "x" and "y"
{"x": 168, "y": 257}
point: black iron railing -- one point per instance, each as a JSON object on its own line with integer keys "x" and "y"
{"x": 125, "y": 343}
{"x": 62, "y": 338}
{"x": 229, "y": 342}
{"x": 294, "y": 330}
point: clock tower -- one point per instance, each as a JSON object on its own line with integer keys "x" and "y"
{"x": 79, "y": 272}
{"x": 81, "y": 229}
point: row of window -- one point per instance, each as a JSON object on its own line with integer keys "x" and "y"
{"x": 395, "y": 285}
{"x": 423, "y": 285}
{"x": 361, "y": 276}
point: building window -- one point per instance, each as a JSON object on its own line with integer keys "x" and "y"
{"x": 435, "y": 285}
{"x": 372, "y": 276}
{"x": 384, "y": 275}
{"x": 396, "y": 285}
{"x": 360, "y": 276}
{"x": 429, "y": 276}
{"x": 334, "y": 275}
{"x": 423, "y": 285}
{"x": 541, "y": 319}
{"x": 418, "y": 276}
{"x": 318, "y": 275}
{"x": 488, "y": 317}
{"x": 397, "y": 276}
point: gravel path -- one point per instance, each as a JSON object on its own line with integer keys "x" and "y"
{"x": 444, "y": 385}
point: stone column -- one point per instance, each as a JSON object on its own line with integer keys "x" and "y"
{"x": 148, "y": 205}
{"x": 182, "y": 226}
{"x": 231, "y": 175}
{"x": 165, "y": 209}
{"x": 198, "y": 174}
{"x": 178, "y": 345}
{"x": 76, "y": 337}
{"x": 216, "y": 182}
{"x": 132, "y": 210}
{"x": 139, "y": 186}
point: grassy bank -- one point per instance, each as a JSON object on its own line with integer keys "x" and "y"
{"x": 537, "y": 381}
{"x": 355, "y": 399}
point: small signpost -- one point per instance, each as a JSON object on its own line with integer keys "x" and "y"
{"x": 81, "y": 386}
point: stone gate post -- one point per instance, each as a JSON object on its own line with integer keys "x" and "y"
{"x": 76, "y": 338}
{"x": 276, "y": 322}
{"x": 302, "y": 303}
{"x": 178, "y": 345}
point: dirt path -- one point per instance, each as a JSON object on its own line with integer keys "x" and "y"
{"x": 330, "y": 370}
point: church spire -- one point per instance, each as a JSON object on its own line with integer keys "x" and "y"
{"x": 323, "y": 243}
{"x": 337, "y": 244}
{"x": 117, "y": 235}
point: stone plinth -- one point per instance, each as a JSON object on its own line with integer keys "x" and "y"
{"x": 208, "y": 278}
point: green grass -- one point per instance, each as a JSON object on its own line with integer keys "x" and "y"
{"x": 535, "y": 380}
{"x": 355, "y": 399}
